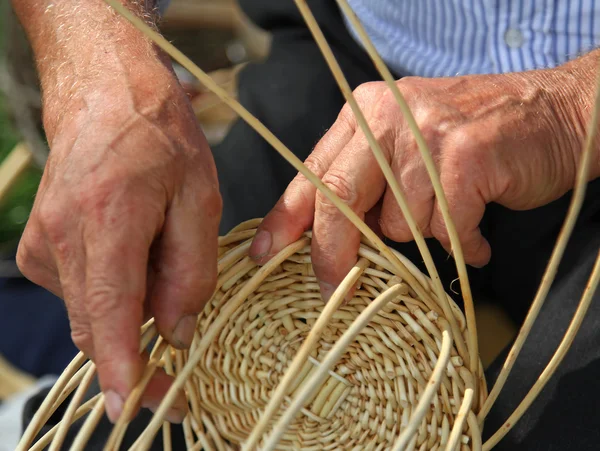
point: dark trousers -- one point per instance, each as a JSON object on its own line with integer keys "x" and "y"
{"x": 293, "y": 94}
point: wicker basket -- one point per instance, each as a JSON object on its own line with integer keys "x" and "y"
{"x": 259, "y": 319}
{"x": 389, "y": 362}
{"x": 373, "y": 387}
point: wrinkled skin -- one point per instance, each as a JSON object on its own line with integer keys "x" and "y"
{"x": 511, "y": 139}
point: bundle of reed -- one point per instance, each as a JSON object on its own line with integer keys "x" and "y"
{"x": 389, "y": 362}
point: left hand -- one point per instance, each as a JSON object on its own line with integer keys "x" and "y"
{"x": 512, "y": 139}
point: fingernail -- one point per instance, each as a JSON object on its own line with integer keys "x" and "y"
{"x": 327, "y": 290}
{"x": 261, "y": 245}
{"x": 114, "y": 405}
{"x": 184, "y": 331}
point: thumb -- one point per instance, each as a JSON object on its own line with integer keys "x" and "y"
{"x": 294, "y": 212}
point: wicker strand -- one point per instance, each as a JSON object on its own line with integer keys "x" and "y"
{"x": 185, "y": 373}
{"x": 166, "y": 428}
{"x": 557, "y": 358}
{"x": 43, "y": 413}
{"x": 310, "y": 387}
{"x": 46, "y": 439}
{"x": 303, "y": 354}
{"x": 475, "y": 431}
{"x": 72, "y": 385}
{"x": 387, "y": 76}
{"x": 66, "y": 380}
{"x": 67, "y": 418}
{"x": 85, "y": 433}
{"x": 459, "y": 422}
{"x": 557, "y": 253}
{"x": 390, "y": 178}
{"x": 118, "y": 432}
{"x": 260, "y": 128}
{"x": 425, "y": 401}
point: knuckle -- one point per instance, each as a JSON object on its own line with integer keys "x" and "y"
{"x": 366, "y": 90}
{"x": 387, "y": 101}
{"x": 101, "y": 300}
{"x": 51, "y": 217}
{"x": 429, "y": 123}
{"x": 82, "y": 338}
{"x": 394, "y": 227}
{"x": 104, "y": 298}
{"x": 339, "y": 182}
{"x": 316, "y": 162}
{"x": 346, "y": 113}
{"x": 212, "y": 204}
{"x": 26, "y": 262}
{"x": 408, "y": 88}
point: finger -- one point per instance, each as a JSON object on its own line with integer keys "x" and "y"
{"x": 35, "y": 261}
{"x": 373, "y": 219}
{"x": 72, "y": 276}
{"x": 56, "y": 264}
{"x": 410, "y": 171}
{"x": 466, "y": 209}
{"x": 294, "y": 212}
{"x": 155, "y": 392}
{"x": 357, "y": 180}
{"x": 115, "y": 282}
{"x": 185, "y": 265}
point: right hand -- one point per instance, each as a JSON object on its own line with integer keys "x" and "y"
{"x": 124, "y": 227}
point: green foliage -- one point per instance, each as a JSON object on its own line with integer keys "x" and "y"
{"x": 15, "y": 208}
{"x": 16, "y": 205}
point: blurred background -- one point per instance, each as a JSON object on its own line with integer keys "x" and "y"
{"x": 34, "y": 332}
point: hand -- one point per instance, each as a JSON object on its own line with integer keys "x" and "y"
{"x": 125, "y": 227}
{"x": 501, "y": 138}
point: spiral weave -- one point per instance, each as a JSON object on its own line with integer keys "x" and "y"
{"x": 370, "y": 393}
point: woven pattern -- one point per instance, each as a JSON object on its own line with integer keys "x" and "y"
{"x": 272, "y": 366}
{"x": 372, "y": 389}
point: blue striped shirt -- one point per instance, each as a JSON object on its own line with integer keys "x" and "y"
{"x": 433, "y": 38}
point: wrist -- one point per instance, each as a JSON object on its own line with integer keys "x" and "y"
{"x": 570, "y": 92}
{"x": 136, "y": 87}
{"x": 561, "y": 99}
{"x": 82, "y": 51}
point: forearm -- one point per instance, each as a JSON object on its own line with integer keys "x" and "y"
{"x": 83, "y": 48}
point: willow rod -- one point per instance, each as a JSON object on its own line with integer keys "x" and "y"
{"x": 308, "y": 345}
{"x": 557, "y": 358}
{"x": 261, "y": 129}
{"x": 557, "y": 254}
{"x": 461, "y": 267}
{"x": 317, "y": 378}
{"x": 425, "y": 402}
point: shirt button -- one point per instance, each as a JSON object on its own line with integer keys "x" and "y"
{"x": 513, "y": 38}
